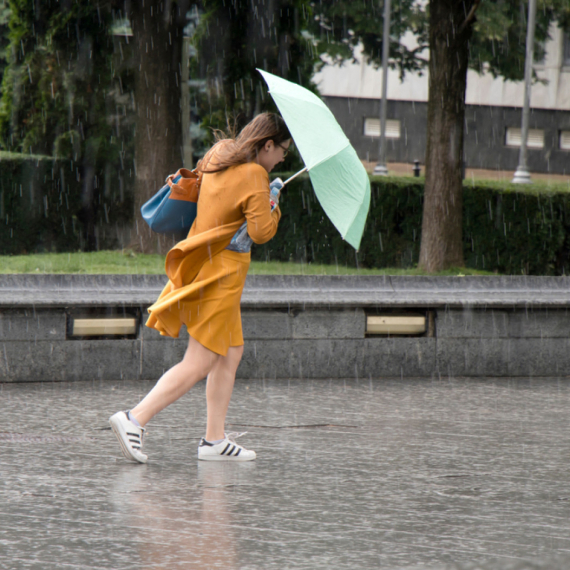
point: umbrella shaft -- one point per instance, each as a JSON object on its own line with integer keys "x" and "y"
{"x": 294, "y": 176}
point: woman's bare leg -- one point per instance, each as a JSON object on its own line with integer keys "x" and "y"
{"x": 219, "y": 391}
{"x": 198, "y": 361}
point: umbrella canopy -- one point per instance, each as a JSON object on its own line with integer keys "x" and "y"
{"x": 340, "y": 181}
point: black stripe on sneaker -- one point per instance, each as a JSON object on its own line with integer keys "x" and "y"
{"x": 225, "y": 449}
{"x": 239, "y": 451}
{"x": 232, "y": 450}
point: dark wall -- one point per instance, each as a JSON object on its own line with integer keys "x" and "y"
{"x": 484, "y": 134}
{"x": 350, "y": 113}
{"x": 485, "y": 139}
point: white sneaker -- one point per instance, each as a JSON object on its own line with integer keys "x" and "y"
{"x": 130, "y": 437}
{"x": 226, "y": 450}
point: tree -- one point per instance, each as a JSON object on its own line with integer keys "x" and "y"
{"x": 450, "y": 29}
{"x": 482, "y": 34}
{"x": 236, "y": 37}
{"x": 156, "y": 49}
{"x": 4, "y": 31}
{"x": 61, "y": 97}
{"x": 488, "y": 36}
{"x": 230, "y": 40}
{"x": 86, "y": 83}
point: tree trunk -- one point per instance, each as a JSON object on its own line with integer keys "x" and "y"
{"x": 442, "y": 240}
{"x": 157, "y": 33}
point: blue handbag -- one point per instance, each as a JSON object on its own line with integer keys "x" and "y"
{"x": 173, "y": 207}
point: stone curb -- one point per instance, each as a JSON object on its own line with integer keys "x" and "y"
{"x": 264, "y": 291}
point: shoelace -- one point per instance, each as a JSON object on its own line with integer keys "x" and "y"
{"x": 233, "y": 435}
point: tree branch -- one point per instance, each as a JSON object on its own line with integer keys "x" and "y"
{"x": 470, "y": 16}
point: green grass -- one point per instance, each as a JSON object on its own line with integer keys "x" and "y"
{"x": 536, "y": 187}
{"x": 99, "y": 262}
{"x": 127, "y": 262}
{"x": 8, "y": 155}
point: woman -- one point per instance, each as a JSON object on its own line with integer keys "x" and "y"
{"x": 206, "y": 278}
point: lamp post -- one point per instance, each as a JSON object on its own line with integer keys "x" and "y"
{"x": 381, "y": 167}
{"x": 522, "y": 175}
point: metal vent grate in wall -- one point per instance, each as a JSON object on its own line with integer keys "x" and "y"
{"x": 102, "y": 323}
{"x": 565, "y": 140}
{"x": 372, "y": 128}
{"x": 396, "y": 324}
{"x": 535, "y": 137}
{"x": 105, "y": 326}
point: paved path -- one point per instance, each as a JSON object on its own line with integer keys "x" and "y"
{"x": 435, "y": 474}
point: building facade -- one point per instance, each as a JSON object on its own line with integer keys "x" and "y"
{"x": 492, "y": 119}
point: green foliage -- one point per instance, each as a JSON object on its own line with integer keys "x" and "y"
{"x": 61, "y": 82}
{"x": 506, "y": 229}
{"x": 497, "y": 44}
{"x": 341, "y": 26}
{"x": 516, "y": 231}
{"x": 5, "y": 13}
{"x": 41, "y": 206}
{"x": 234, "y": 38}
{"x": 64, "y": 95}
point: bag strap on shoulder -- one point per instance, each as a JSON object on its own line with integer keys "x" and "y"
{"x": 185, "y": 184}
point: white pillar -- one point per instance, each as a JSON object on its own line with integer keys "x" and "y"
{"x": 381, "y": 167}
{"x": 522, "y": 175}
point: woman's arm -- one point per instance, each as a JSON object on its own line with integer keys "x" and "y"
{"x": 261, "y": 221}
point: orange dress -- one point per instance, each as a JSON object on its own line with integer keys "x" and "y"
{"x": 205, "y": 279}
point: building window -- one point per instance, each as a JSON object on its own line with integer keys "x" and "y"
{"x": 372, "y": 128}
{"x": 564, "y": 140}
{"x": 566, "y": 50}
{"x": 535, "y": 137}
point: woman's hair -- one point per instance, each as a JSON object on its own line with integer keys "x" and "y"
{"x": 231, "y": 151}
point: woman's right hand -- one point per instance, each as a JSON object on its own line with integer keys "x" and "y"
{"x": 275, "y": 189}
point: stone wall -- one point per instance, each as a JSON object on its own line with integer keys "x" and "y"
{"x": 297, "y": 342}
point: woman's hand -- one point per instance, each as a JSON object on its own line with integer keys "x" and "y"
{"x": 275, "y": 190}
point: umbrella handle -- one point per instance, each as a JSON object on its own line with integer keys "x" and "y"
{"x": 294, "y": 176}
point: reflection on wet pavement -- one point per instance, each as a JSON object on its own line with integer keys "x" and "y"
{"x": 357, "y": 474}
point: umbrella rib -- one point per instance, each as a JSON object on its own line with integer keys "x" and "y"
{"x": 352, "y": 220}
{"x": 324, "y": 159}
{"x": 357, "y": 210}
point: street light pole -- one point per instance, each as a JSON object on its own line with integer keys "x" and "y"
{"x": 522, "y": 175}
{"x": 381, "y": 167}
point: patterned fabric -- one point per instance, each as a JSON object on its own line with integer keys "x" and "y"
{"x": 241, "y": 242}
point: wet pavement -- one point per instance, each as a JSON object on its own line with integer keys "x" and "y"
{"x": 469, "y": 474}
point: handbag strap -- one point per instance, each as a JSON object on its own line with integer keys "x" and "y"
{"x": 185, "y": 185}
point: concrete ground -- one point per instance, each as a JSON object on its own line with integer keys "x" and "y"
{"x": 358, "y": 474}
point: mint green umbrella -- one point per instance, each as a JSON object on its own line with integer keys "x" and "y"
{"x": 339, "y": 178}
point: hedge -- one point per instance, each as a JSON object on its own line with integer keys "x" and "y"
{"x": 508, "y": 228}
{"x": 42, "y": 205}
